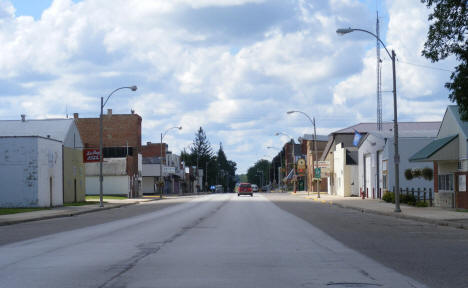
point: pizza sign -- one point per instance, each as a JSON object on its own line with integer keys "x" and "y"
{"x": 91, "y": 155}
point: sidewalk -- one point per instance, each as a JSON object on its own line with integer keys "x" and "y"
{"x": 433, "y": 215}
{"x": 66, "y": 211}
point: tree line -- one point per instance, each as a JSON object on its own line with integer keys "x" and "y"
{"x": 259, "y": 173}
{"x": 218, "y": 169}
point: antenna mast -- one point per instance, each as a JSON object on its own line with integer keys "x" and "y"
{"x": 379, "y": 78}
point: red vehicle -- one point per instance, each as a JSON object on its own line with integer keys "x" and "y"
{"x": 245, "y": 189}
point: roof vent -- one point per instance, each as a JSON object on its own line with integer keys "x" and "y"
{"x": 23, "y": 117}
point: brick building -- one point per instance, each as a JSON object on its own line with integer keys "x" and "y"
{"x": 154, "y": 149}
{"x": 121, "y": 149}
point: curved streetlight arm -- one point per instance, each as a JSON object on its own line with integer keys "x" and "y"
{"x": 303, "y": 113}
{"x": 349, "y": 30}
{"x": 133, "y": 88}
{"x": 165, "y": 132}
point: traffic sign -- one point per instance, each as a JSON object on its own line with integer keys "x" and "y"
{"x": 323, "y": 164}
{"x": 317, "y": 173}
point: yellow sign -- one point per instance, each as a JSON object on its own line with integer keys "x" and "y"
{"x": 301, "y": 165}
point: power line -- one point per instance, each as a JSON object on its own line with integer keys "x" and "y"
{"x": 424, "y": 66}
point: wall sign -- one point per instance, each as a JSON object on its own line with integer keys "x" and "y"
{"x": 91, "y": 155}
{"x": 462, "y": 183}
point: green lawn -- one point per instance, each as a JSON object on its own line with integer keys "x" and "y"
{"x": 81, "y": 203}
{"x": 6, "y": 211}
{"x": 96, "y": 198}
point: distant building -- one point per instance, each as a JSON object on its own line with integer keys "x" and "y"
{"x": 122, "y": 163}
{"x": 173, "y": 171}
{"x": 307, "y": 142}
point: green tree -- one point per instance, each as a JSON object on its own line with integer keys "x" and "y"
{"x": 258, "y": 174}
{"x": 200, "y": 154}
{"x": 226, "y": 170}
{"x": 448, "y": 35}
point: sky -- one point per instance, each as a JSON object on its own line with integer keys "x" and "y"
{"x": 233, "y": 67}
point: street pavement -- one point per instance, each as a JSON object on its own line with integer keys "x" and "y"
{"x": 433, "y": 215}
{"x": 210, "y": 241}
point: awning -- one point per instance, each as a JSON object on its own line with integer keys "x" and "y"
{"x": 430, "y": 149}
{"x": 290, "y": 176}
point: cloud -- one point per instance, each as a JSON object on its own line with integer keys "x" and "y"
{"x": 233, "y": 67}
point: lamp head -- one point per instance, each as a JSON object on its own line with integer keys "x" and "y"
{"x": 277, "y": 133}
{"x": 180, "y": 127}
{"x": 133, "y": 88}
{"x": 290, "y": 112}
{"x": 343, "y": 31}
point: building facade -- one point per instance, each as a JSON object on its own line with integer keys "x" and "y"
{"x": 122, "y": 162}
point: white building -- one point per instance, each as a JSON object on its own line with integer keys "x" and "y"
{"x": 30, "y": 172}
{"x": 71, "y": 160}
{"x": 376, "y": 162}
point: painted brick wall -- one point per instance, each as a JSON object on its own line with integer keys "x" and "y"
{"x": 118, "y": 130}
{"x": 153, "y": 150}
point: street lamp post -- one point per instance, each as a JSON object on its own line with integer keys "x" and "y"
{"x": 293, "y": 157}
{"x": 161, "y": 181}
{"x": 281, "y": 162}
{"x": 314, "y": 163}
{"x": 101, "y": 156}
{"x": 395, "y": 114}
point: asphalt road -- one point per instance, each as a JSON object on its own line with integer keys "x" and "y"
{"x": 29, "y": 230}
{"x": 211, "y": 241}
{"x": 434, "y": 255}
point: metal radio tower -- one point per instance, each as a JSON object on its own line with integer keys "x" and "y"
{"x": 379, "y": 78}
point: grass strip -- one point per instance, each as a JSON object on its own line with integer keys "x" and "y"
{"x": 6, "y": 211}
{"x": 107, "y": 197}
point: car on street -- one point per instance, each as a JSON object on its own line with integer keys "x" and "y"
{"x": 254, "y": 188}
{"x": 245, "y": 189}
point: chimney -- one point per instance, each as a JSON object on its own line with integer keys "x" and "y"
{"x": 109, "y": 112}
{"x": 23, "y": 117}
{"x": 75, "y": 115}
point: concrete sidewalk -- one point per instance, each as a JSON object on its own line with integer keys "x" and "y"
{"x": 66, "y": 211}
{"x": 434, "y": 215}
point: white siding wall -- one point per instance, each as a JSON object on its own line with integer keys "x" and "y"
{"x": 50, "y": 177}
{"x": 148, "y": 185}
{"x": 111, "y": 185}
{"x": 407, "y": 148}
{"x": 18, "y": 172}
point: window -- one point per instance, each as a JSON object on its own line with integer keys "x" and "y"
{"x": 117, "y": 152}
{"x": 384, "y": 182}
{"x": 446, "y": 182}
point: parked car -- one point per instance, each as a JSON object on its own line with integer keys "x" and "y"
{"x": 219, "y": 189}
{"x": 254, "y": 188}
{"x": 245, "y": 189}
{"x": 266, "y": 188}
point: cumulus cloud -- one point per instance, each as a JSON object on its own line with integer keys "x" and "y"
{"x": 233, "y": 67}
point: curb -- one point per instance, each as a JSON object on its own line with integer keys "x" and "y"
{"x": 400, "y": 216}
{"x": 63, "y": 214}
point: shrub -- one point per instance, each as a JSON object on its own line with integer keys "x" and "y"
{"x": 408, "y": 174}
{"x": 388, "y": 197}
{"x": 410, "y": 199}
{"x": 417, "y": 173}
{"x": 427, "y": 173}
{"x": 421, "y": 204}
